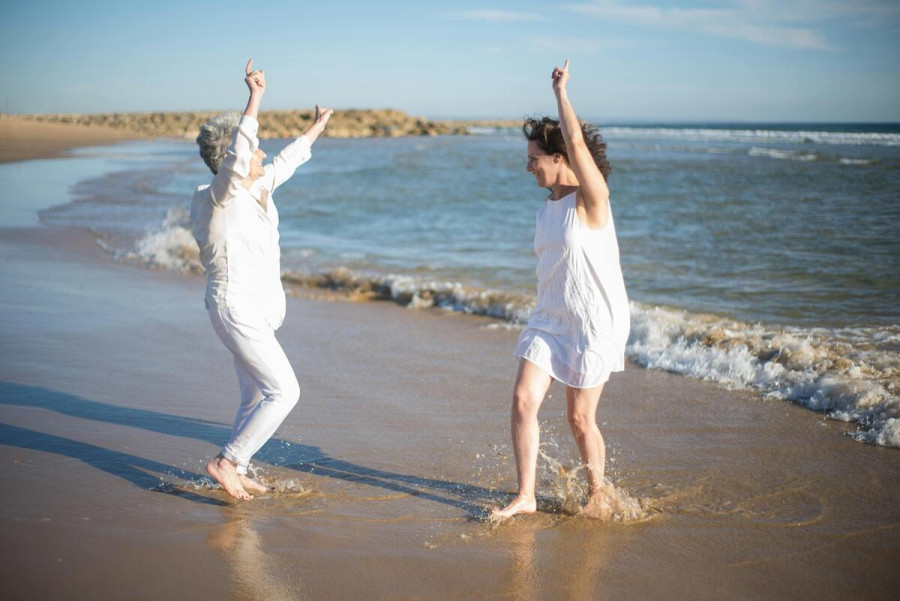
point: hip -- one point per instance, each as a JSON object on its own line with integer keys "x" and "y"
{"x": 253, "y": 309}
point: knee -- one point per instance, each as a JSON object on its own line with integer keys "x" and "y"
{"x": 580, "y": 422}
{"x": 292, "y": 394}
{"x": 288, "y": 392}
{"x": 525, "y": 405}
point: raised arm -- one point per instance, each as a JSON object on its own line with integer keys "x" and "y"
{"x": 256, "y": 82}
{"x": 297, "y": 152}
{"x": 592, "y": 184}
{"x": 236, "y": 164}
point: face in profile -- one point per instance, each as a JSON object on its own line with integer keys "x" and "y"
{"x": 544, "y": 167}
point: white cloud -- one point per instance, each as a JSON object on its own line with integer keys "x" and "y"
{"x": 768, "y": 22}
{"x": 495, "y": 16}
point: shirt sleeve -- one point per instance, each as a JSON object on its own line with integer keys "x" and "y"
{"x": 283, "y": 166}
{"x": 236, "y": 164}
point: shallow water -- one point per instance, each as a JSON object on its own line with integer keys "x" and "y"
{"x": 390, "y": 461}
{"x": 761, "y": 257}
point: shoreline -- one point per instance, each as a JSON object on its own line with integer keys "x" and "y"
{"x": 114, "y": 391}
{"x": 274, "y": 124}
{"x": 23, "y": 139}
{"x": 404, "y": 450}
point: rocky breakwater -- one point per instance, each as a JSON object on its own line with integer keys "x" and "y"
{"x": 352, "y": 123}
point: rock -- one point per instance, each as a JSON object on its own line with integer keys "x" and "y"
{"x": 351, "y": 123}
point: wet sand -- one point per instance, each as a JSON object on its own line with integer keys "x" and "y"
{"x": 114, "y": 391}
{"x": 23, "y": 139}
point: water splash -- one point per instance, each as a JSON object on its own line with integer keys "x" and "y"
{"x": 851, "y": 374}
{"x": 570, "y": 495}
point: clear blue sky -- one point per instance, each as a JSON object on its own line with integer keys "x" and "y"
{"x": 750, "y": 60}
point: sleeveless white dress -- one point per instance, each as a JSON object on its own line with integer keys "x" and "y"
{"x": 579, "y": 327}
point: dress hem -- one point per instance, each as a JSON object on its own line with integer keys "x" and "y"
{"x": 553, "y": 376}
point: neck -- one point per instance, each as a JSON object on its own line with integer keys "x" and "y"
{"x": 562, "y": 190}
{"x": 565, "y": 184}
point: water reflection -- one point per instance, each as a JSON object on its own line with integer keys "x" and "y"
{"x": 556, "y": 558}
{"x": 255, "y": 575}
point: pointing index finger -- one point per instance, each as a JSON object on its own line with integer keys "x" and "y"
{"x": 566, "y": 67}
{"x": 249, "y": 66}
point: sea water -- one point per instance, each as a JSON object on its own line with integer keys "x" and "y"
{"x": 760, "y": 256}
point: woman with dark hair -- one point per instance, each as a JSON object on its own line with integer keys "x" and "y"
{"x": 578, "y": 329}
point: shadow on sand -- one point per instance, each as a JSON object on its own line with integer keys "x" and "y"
{"x": 300, "y": 457}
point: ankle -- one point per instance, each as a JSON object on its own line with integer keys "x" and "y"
{"x": 224, "y": 462}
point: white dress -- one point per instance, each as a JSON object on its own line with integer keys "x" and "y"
{"x": 579, "y": 327}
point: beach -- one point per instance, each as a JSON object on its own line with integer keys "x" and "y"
{"x": 22, "y": 139}
{"x": 115, "y": 392}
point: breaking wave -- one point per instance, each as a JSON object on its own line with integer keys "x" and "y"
{"x": 789, "y": 155}
{"x": 754, "y": 136}
{"x": 850, "y": 374}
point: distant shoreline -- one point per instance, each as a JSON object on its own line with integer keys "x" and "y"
{"x": 36, "y": 136}
{"x": 352, "y": 123}
{"x": 41, "y": 136}
{"x": 23, "y": 139}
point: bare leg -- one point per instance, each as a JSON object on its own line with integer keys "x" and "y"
{"x": 531, "y": 386}
{"x": 581, "y": 405}
{"x": 226, "y": 475}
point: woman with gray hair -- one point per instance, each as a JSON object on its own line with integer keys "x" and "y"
{"x": 235, "y": 223}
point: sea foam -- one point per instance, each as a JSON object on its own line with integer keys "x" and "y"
{"x": 775, "y": 153}
{"x": 850, "y": 374}
{"x": 170, "y": 246}
{"x": 754, "y": 136}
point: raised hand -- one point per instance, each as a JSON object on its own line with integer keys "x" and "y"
{"x": 560, "y": 77}
{"x": 255, "y": 80}
{"x": 313, "y": 132}
{"x": 323, "y": 115}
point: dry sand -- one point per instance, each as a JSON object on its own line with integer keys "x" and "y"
{"x": 23, "y": 139}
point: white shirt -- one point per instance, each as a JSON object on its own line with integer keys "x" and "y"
{"x": 237, "y": 236}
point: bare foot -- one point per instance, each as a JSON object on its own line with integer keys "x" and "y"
{"x": 252, "y": 485}
{"x": 224, "y": 472}
{"x": 598, "y": 507}
{"x": 520, "y": 504}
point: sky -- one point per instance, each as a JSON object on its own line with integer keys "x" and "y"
{"x": 719, "y": 60}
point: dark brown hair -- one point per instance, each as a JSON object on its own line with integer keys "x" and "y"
{"x": 547, "y": 134}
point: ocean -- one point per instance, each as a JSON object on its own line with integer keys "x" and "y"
{"x": 760, "y": 256}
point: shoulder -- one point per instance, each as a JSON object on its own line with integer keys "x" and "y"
{"x": 203, "y": 194}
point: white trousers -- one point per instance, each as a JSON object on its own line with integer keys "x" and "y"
{"x": 269, "y": 388}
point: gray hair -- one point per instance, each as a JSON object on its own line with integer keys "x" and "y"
{"x": 215, "y": 137}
